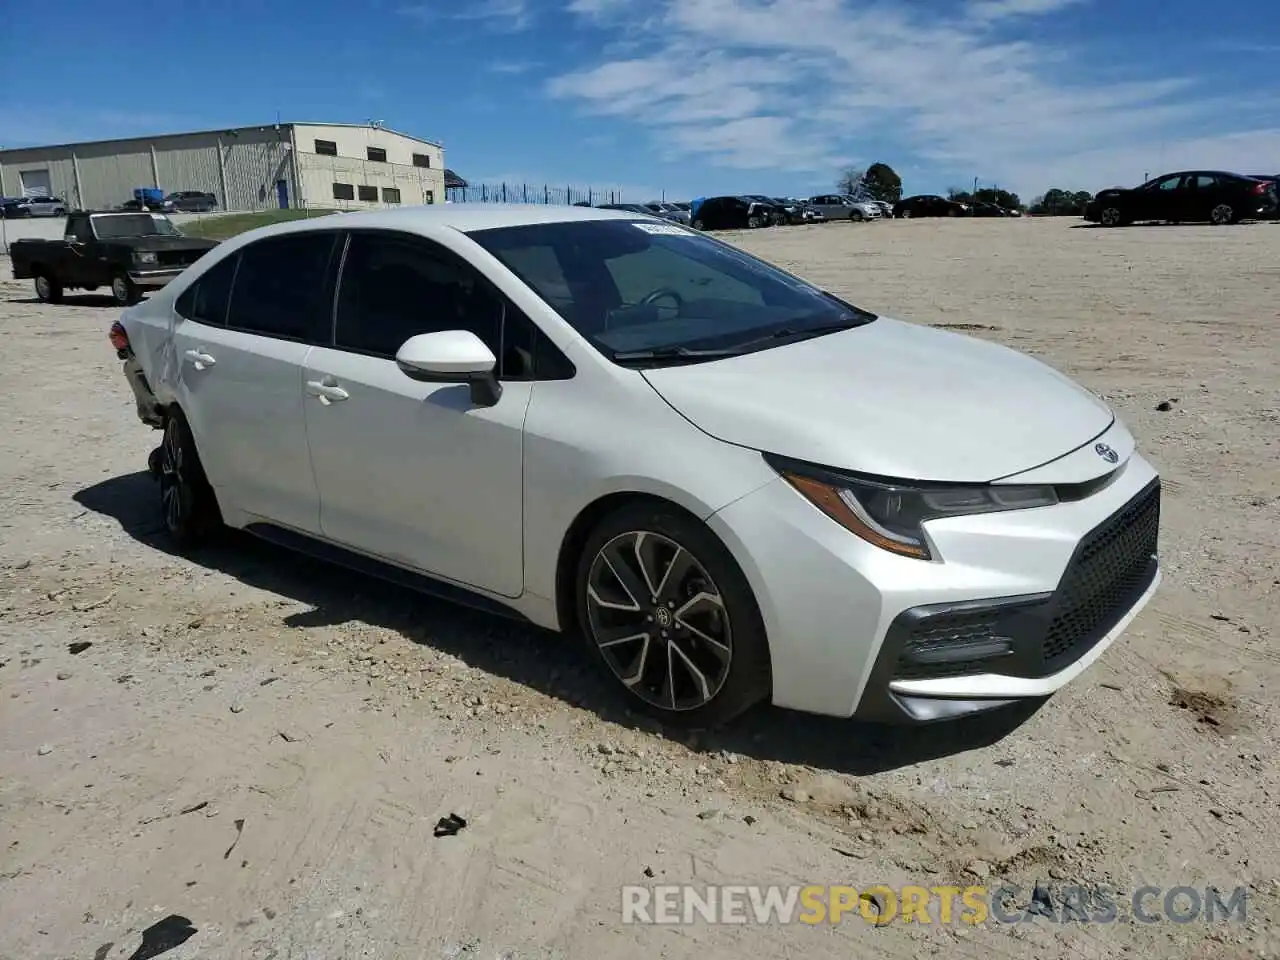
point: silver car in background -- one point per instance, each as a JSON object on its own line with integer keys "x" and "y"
{"x": 668, "y": 211}
{"x": 837, "y": 206}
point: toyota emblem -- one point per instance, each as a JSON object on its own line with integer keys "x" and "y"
{"x": 1106, "y": 452}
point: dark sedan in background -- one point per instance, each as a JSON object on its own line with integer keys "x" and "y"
{"x": 1190, "y": 196}
{"x": 929, "y": 205}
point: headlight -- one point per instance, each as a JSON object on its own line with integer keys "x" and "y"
{"x": 891, "y": 514}
{"x": 144, "y": 256}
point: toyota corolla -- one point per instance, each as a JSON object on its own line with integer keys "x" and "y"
{"x": 735, "y": 486}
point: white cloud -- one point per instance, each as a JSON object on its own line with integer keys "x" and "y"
{"x": 505, "y": 15}
{"x": 512, "y": 67}
{"x": 798, "y": 85}
{"x": 991, "y": 10}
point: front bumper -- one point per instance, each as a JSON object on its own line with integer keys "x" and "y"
{"x": 1021, "y": 603}
{"x": 154, "y": 279}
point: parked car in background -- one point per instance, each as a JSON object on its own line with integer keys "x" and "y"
{"x": 637, "y": 435}
{"x": 192, "y": 201}
{"x": 732, "y": 213}
{"x": 983, "y": 208}
{"x": 835, "y": 206}
{"x": 886, "y": 208}
{"x": 1274, "y": 180}
{"x": 668, "y": 211}
{"x": 1214, "y": 196}
{"x": 23, "y": 207}
{"x": 128, "y": 252}
{"x": 626, "y": 207}
{"x": 929, "y": 205}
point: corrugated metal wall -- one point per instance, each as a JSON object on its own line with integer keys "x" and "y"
{"x": 255, "y": 158}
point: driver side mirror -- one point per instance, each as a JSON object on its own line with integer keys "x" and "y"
{"x": 452, "y": 356}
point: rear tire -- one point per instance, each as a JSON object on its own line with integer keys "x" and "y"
{"x": 1223, "y": 214}
{"x": 48, "y": 290}
{"x": 695, "y": 655}
{"x": 124, "y": 291}
{"x": 697, "y": 225}
{"x": 187, "y": 501}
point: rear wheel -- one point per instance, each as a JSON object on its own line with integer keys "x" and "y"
{"x": 1222, "y": 214}
{"x": 190, "y": 507}
{"x": 48, "y": 290}
{"x": 123, "y": 290}
{"x": 671, "y": 617}
{"x": 697, "y": 225}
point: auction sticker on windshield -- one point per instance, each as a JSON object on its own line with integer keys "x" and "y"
{"x": 663, "y": 230}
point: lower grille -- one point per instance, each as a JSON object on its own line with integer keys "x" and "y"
{"x": 1037, "y": 635}
{"x": 1111, "y": 567}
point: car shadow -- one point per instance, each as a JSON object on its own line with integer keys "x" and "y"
{"x": 96, "y": 300}
{"x": 1165, "y": 223}
{"x": 535, "y": 658}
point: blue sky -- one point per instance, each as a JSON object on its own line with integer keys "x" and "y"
{"x": 684, "y": 96}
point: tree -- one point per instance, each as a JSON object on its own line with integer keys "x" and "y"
{"x": 1057, "y": 202}
{"x": 850, "y": 180}
{"x": 882, "y": 182}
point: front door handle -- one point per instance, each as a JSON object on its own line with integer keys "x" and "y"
{"x": 326, "y": 391}
{"x": 200, "y": 359}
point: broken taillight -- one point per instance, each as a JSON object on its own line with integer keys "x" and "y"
{"x": 119, "y": 339}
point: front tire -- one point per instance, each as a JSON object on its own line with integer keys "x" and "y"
{"x": 697, "y": 225}
{"x": 187, "y": 500}
{"x": 671, "y": 618}
{"x": 124, "y": 291}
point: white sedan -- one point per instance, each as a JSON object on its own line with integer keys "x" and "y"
{"x": 734, "y": 485}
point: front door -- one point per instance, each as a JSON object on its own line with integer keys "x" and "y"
{"x": 239, "y": 369}
{"x": 413, "y": 472}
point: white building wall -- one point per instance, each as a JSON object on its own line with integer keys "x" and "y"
{"x": 352, "y": 167}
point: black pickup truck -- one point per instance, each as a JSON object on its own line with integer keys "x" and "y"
{"x": 128, "y": 252}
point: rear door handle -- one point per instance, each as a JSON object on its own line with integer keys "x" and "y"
{"x": 200, "y": 359}
{"x": 326, "y": 391}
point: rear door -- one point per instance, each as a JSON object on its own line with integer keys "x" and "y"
{"x": 242, "y": 335}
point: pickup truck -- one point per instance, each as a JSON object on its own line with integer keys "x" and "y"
{"x": 128, "y": 252}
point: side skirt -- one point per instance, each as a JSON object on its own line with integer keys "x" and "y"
{"x": 418, "y": 582}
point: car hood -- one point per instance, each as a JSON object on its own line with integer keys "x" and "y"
{"x": 892, "y": 399}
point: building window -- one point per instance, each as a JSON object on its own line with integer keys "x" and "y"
{"x": 327, "y": 148}
{"x": 421, "y": 160}
{"x": 344, "y": 191}
{"x": 369, "y": 194}
{"x": 390, "y": 194}
{"x": 376, "y": 154}
{"x": 429, "y": 196}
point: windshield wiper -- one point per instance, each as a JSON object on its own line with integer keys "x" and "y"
{"x": 784, "y": 332}
{"x": 676, "y": 353}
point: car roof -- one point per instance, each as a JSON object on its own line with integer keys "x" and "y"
{"x": 463, "y": 217}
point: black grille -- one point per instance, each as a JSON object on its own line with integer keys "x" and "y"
{"x": 177, "y": 258}
{"x": 942, "y": 632}
{"x": 1111, "y": 567}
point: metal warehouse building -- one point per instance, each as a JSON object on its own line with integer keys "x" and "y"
{"x": 328, "y": 165}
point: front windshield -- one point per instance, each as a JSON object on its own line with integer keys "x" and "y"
{"x": 117, "y": 226}
{"x": 637, "y": 286}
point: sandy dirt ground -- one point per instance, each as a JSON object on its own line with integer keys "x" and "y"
{"x": 263, "y": 745}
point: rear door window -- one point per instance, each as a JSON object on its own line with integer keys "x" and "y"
{"x": 207, "y": 299}
{"x": 283, "y": 287}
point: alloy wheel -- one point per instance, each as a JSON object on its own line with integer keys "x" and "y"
{"x": 1111, "y": 217}
{"x": 173, "y": 487}
{"x": 659, "y": 621}
{"x": 120, "y": 289}
{"x": 1222, "y": 214}
{"x": 43, "y": 288}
